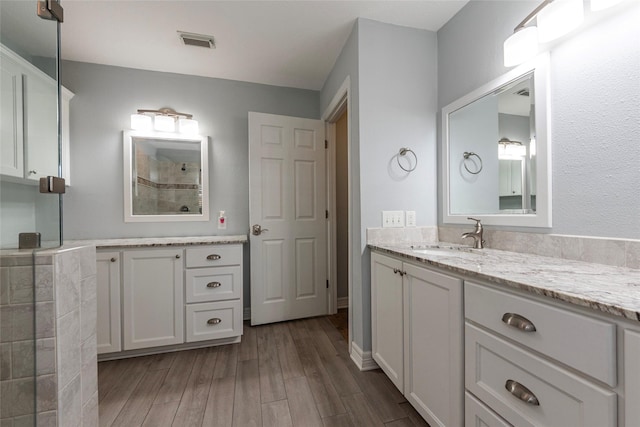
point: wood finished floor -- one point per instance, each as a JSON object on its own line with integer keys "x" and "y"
{"x": 294, "y": 374}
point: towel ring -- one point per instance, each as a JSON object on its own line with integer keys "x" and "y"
{"x": 403, "y": 151}
{"x": 466, "y": 156}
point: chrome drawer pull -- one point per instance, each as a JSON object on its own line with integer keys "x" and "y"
{"x": 519, "y": 322}
{"x": 214, "y": 321}
{"x": 214, "y": 284}
{"x": 521, "y": 392}
{"x": 213, "y": 257}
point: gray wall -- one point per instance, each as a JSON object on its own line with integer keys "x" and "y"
{"x": 106, "y": 96}
{"x": 595, "y": 108}
{"x": 393, "y": 82}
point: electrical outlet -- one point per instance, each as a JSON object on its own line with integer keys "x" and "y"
{"x": 410, "y": 219}
{"x": 392, "y": 219}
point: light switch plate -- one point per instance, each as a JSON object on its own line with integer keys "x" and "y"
{"x": 394, "y": 219}
{"x": 410, "y": 219}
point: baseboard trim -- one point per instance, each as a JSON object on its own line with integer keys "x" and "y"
{"x": 363, "y": 359}
{"x": 246, "y": 313}
{"x": 343, "y": 302}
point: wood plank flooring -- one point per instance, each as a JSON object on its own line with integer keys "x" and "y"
{"x": 295, "y": 374}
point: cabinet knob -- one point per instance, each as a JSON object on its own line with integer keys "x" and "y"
{"x": 521, "y": 392}
{"x": 178, "y": 256}
{"x": 213, "y": 257}
{"x": 114, "y": 259}
{"x": 33, "y": 172}
{"x": 519, "y": 322}
{"x": 214, "y": 321}
{"x": 214, "y": 284}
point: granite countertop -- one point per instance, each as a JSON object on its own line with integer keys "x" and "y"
{"x": 147, "y": 242}
{"x": 613, "y": 290}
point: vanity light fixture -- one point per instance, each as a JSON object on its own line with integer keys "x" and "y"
{"x": 554, "y": 18}
{"x": 164, "y": 120}
{"x": 509, "y": 149}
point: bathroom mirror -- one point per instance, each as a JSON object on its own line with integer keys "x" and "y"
{"x": 496, "y": 153}
{"x": 165, "y": 177}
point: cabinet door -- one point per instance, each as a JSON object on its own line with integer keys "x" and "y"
{"x": 11, "y": 136}
{"x": 386, "y": 316}
{"x": 108, "y": 284}
{"x": 41, "y": 125}
{"x": 153, "y": 298}
{"x": 632, "y": 378}
{"x": 433, "y": 346}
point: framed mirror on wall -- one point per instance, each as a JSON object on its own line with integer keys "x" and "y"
{"x": 496, "y": 157}
{"x": 166, "y": 177}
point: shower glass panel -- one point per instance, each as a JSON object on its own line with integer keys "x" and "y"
{"x": 29, "y": 143}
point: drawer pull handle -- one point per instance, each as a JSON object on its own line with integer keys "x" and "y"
{"x": 518, "y": 322}
{"x": 521, "y": 392}
{"x": 214, "y": 284}
{"x": 214, "y": 321}
{"x": 213, "y": 257}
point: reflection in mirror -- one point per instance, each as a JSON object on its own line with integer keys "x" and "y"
{"x": 166, "y": 177}
{"x": 495, "y": 153}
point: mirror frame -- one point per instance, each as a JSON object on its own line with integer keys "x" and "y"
{"x": 542, "y": 218}
{"x": 127, "y": 138}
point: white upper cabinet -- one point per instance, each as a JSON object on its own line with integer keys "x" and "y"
{"x": 11, "y": 138}
{"x": 29, "y": 138}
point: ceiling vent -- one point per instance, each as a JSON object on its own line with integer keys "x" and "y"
{"x": 523, "y": 92}
{"x": 199, "y": 40}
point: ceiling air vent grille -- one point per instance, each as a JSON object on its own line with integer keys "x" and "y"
{"x": 199, "y": 40}
{"x": 523, "y": 92}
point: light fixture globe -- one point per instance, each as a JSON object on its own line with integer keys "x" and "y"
{"x": 521, "y": 46}
{"x": 558, "y": 18}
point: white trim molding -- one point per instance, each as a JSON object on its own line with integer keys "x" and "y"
{"x": 343, "y": 302}
{"x": 246, "y": 313}
{"x": 363, "y": 359}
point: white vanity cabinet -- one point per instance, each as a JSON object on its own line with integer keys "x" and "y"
{"x": 213, "y": 288}
{"x": 108, "y": 334}
{"x": 417, "y": 326}
{"x": 537, "y": 365}
{"x": 632, "y": 377}
{"x": 387, "y": 320}
{"x": 152, "y": 298}
{"x": 29, "y": 135}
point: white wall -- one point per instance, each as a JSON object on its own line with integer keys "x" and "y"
{"x": 595, "y": 107}
{"x": 393, "y": 94}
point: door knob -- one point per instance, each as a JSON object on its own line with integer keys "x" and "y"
{"x": 257, "y": 229}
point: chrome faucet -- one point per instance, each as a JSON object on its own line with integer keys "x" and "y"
{"x": 478, "y": 242}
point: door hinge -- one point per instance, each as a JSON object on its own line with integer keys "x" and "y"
{"x": 326, "y": 214}
{"x": 327, "y": 283}
{"x": 52, "y": 184}
{"x": 50, "y": 10}
{"x": 326, "y": 144}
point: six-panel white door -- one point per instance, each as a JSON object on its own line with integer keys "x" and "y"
{"x": 287, "y": 199}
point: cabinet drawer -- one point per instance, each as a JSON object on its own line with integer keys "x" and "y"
{"x": 565, "y": 399}
{"x": 476, "y": 414}
{"x": 214, "y": 320}
{"x": 213, "y": 284}
{"x": 214, "y": 256}
{"x": 584, "y": 343}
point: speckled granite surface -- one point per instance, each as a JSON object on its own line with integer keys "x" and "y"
{"x": 613, "y": 290}
{"x": 147, "y": 242}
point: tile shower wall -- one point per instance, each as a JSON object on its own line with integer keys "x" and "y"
{"x": 164, "y": 186}
{"x": 65, "y": 338}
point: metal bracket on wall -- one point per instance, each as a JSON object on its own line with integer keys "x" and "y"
{"x": 50, "y": 10}
{"x": 52, "y": 184}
